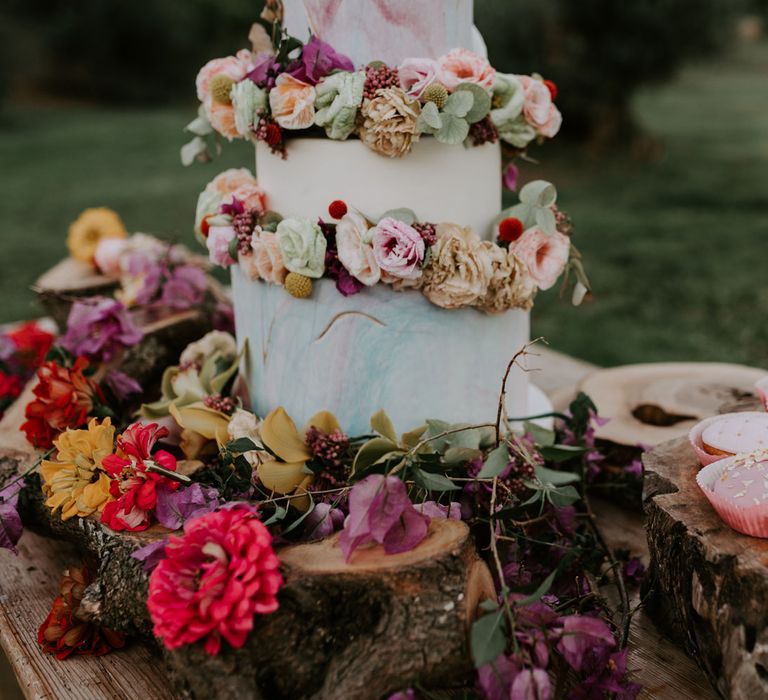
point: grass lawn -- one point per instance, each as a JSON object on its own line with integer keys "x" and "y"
{"x": 676, "y": 248}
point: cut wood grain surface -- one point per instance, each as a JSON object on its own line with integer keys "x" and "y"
{"x": 28, "y": 584}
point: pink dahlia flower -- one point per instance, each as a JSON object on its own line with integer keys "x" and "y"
{"x": 215, "y": 578}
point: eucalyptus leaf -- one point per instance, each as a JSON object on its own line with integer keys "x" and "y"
{"x": 423, "y": 126}
{"x": 431, "y": 115}
{"x": 458, "y": 104}
{"x": 233, "y": 248}
{"x": 382, "y": 424}
{"x": 538, "y": 193}
{"x": 454, "y": 131}
{"x": 545, "y": 219}
{"x": 407, "y": 216}
{"x": 488, "y": 637}
{"x": 495, "y": 463}
{"x": 434, "y": 482}
{"x": 481, "y": 104}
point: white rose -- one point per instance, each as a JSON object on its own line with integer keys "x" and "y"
{"x": 354, "y": 253}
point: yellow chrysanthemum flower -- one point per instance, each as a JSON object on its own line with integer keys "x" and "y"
{"x": 75, "y": 482}
{"x": 92, "y": 226}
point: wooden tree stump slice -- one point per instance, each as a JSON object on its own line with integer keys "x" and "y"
{"x": 706, "y": 584}
{"x": 651, "y": 403}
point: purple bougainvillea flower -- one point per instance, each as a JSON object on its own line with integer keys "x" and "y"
{"x": 184, "y": 288}
{"x": 406, "y": 694}
{"x": 318, "y": 59}
{"x": 495, "y": 679}
{"x": 509, "y": 178}
{"x": 174, "y": 508}
{"x": 582, "y": 633}
{"x": 323, "y": 521}
{"x": 265, "y": 70}
{"x": 380, "y": 511}
{"x": 151, "y": 555}
{"x": 531, "y": 684}
{"x": 10, "y": 522}
{"x": 436, "y": 510}
{"x": 121, "y": 384}
{"x": 99, "y": 328}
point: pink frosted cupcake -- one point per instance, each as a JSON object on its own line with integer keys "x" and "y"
{"x": 730, "y": 434}
{"x": 737, "y": 488}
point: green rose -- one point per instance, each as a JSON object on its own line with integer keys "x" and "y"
{"x": 338, "y": 99}
{"x": 302, "y": 244}
{"x": 507, "y": 114}
{"x": 248, "y": 99}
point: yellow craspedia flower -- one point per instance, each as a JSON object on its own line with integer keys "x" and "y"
{"x": 92, "y": 226}
{"x": 75, "y": 482}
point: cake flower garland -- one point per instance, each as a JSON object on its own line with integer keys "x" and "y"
{"x": 268, "y": 92}
{"x": 448, "y": 263}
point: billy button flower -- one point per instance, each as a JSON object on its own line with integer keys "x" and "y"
{"x": 510, "y": 229}
{"x": 337, "y": 209}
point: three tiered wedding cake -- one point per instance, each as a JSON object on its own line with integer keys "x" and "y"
{"x": 371, "y": 266}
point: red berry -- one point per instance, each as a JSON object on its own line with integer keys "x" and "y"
{"x": 337, "y": 209}
{"x": 273, "y": 135}
{"x": 552, "y": 89}
{"x": 204, "y": 226}
{"x": 510, "y": 229}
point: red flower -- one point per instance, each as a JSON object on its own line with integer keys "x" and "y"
{"x": 215, "y": 578}
{"x": 510, "y": 229}
{"x": 273, "y": 134}
{"x": 10, "y": 386}
{"x": 64, "y": 398}
{"x": 552, "y": 89}
{"x": 32, "y": 344}
{"x": 63, "y": 633}
{"x": 133, "y": 485}
{"x": 337, "y": 209}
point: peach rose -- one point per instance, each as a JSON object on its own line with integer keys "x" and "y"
{"x": 544, "y": 256}
{"x": 222, "y": 118}
{"x": 463, "y": 66}
{"x": 267, "y": 260}
{"x": 292, "y": 102}
{"x": 356, "y": 255}
{"x": 459, "y": 270}
{"x": 538, "y": 108}
{"x": 235, "y": 67}
{"x": 229, "y": 180}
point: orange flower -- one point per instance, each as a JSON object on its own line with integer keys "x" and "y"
{"x": 63, "y": 633}
{"x": 292, "y": 102}
{"x": 222, "y": 118}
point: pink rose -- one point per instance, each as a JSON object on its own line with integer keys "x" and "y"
{"x": 108, "y": 254}
{"x": 538, "y": 109}
{"x": 416, "y": 74}
{"x": 463, "y": 66}
{"x": 230, "y": 180}
{"x": 219, "y": 238}
{"x": 553, "y": 123}
{"x": 545, "y": 256}
{"x": 357, "y": 256}
{"x": 292, "y": 102}
{"x": 266, "y": 260}
{"x": 398, "y": 248}
{"x": 235, "y": 67}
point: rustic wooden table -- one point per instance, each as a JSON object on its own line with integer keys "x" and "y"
{"x": 28, "y": 584}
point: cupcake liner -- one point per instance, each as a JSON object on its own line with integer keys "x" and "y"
{"x": 697, "y": 431}
{"x": 752, "y": 521}
{"x": 761, "y": 385}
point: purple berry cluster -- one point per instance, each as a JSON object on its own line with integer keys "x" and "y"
{"x": 428, "y": 232}
{"x": 222, "y": 404}
{"x": 377, "y": 77}
{"x": 244, "y": 224}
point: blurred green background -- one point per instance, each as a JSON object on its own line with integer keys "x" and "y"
{"x": 663, "y": 162}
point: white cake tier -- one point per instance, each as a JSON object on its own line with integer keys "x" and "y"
{"x": 441, "y": 183}
{"x": 384, "y": 30}
{"x": 377, "y": 349}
